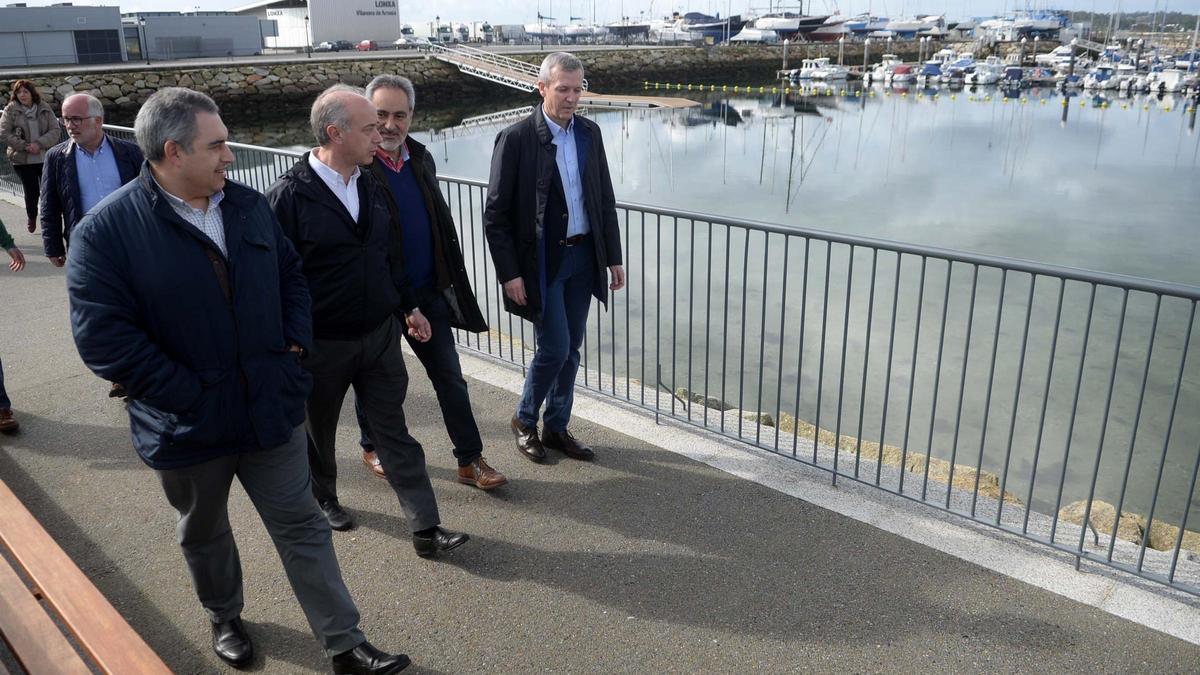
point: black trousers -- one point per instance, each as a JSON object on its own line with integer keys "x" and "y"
{"x": 31, "y": 185}
{"x": 440, "y": 359}
{"x": 374, "y": 365}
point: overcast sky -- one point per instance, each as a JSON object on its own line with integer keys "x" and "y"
{"x": 525, "y": 11}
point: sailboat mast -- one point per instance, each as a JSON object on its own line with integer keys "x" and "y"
{"x": 1195, "y": 34}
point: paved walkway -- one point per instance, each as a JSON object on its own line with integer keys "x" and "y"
{"x": 644, "y": 561}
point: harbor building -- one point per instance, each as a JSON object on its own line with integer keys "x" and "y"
{"x": 304, "y": 23}
{"x": 162, "y": 36}
{"x": 37, "y": 36}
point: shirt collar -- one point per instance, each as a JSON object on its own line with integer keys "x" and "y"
{"x": 99, "y": 149}
{"x": 555, "y": 129}
{"x": 327, "y": 173}
{"x": 178, "y": 203}
{"x": 387, "y": 159}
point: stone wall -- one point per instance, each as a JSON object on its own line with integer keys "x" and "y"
{"x": 297, "y": 81}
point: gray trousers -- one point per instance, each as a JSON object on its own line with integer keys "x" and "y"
{"x": 374, "y": 365}
{"x": 277, "y": 482}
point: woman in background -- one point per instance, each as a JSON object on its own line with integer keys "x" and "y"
{"x": 28, "y": 130}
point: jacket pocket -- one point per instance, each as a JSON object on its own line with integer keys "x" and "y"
{"x": 210, "y": 422}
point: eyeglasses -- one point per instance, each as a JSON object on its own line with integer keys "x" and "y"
{"x": 75, "y": 120}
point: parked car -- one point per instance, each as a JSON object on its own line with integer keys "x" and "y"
{"x": 411, "y": 42}
{"x": 325, "y": 47}
{"x": 367, "y": 46}
{"x": 343, "y": 45}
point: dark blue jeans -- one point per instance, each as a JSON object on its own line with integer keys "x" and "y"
{"x": 4, "y": 402}
{"x": 551, "y": 375}
{"x": 440, "y": 359}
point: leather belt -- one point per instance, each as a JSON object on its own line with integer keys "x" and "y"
{"x": 574, "y": 241}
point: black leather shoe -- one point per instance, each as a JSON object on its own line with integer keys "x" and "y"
{"x": 231, "y": 643}
{"x": 441, "y": 540}
{"x": 337, "y": 516}
{"x": 528, "y": 442}
{"x": 568, "y": 445}
{"x": 367, "y": 660}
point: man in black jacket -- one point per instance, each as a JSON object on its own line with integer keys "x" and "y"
{"x": 81, "y": 171}
{"x": 339, "y": 220}
{"x": 551, "y": 224}
{"x": 434, "y": 266}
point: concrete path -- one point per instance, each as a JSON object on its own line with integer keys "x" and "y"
{"x": 642, "y": 562}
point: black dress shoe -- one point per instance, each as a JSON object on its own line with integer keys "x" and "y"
{"x": 367, "y": 660}
{"x": 427, "y": 545}
{"x": 231, "y": 643}
{"x": 527, "y": 441}
{"x": 337, "y": 516}
{"x": 568, "y": 445}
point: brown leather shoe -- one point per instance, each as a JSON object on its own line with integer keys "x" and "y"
{"x": 8, "y": 423}
{"x": 482, "y": 476}
{"x": 528, "y": 442}
{"x": 372, "y": 461}
{"x": 568, "y": 445}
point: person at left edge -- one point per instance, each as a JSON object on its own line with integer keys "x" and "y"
{"x": 8, "y": 423}
{"x": 183, "y": 287}
{"x": 337, "y": 217}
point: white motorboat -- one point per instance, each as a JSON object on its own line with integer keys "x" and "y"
{"x": 887, "y": 64}
{"x": 1109, "y": 76}
{"x": 756, "y": 36}
{"x": 1055, "y": 57}
{"x": 990, "y": 71}
{"x": 822, "y": 69}
{"x": 1169, "y": 80}
{"x": 543, "y": 31}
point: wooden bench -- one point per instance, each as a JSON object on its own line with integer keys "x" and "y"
{"x": 106, "y": 643}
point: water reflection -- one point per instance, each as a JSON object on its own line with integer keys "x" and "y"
{"x": 1104, "y": 183}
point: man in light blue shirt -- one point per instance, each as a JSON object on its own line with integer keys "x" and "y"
{"x": 553, "y": 234}
{"x": 98, "y": 174}
{"x": 567, "y": 158}
{"x": 81, "y": 172}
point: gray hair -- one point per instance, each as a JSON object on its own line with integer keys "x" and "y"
{"x": 169, "y": 115}
{"x": 393, "y": 82}
{"x": 564, "y": 61}
{"x": 330, "y": 109}
{"x": 94, "y": 107}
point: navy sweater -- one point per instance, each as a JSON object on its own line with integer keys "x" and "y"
{"x": 414, "y": 220}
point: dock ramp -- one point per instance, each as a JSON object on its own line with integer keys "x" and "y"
{"x": 521, "y": 75}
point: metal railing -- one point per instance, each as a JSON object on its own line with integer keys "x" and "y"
{"x": 1026, "y": 397}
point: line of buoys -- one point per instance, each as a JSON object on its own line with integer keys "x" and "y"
{"x": 871, "y": 93}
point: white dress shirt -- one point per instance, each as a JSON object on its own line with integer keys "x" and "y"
{"x": 346, "y": 192}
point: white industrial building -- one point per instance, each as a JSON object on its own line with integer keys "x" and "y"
{"x": 301, "y": 23}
